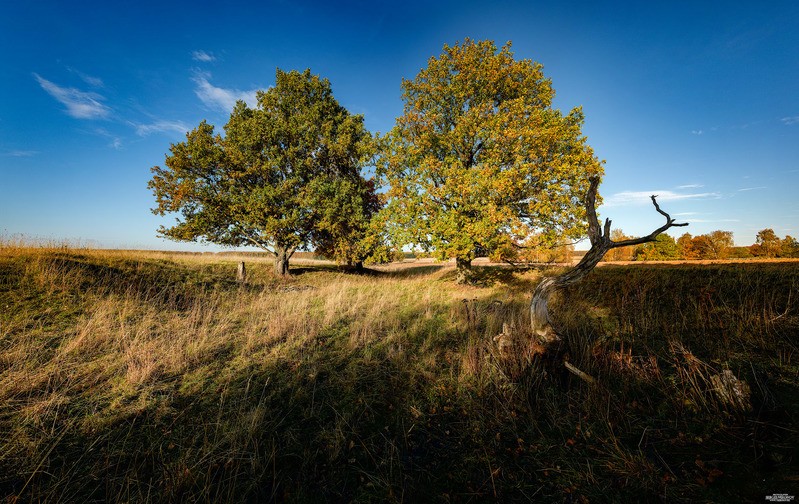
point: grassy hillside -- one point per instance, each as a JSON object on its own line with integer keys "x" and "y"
{"x": 142, "y": 377}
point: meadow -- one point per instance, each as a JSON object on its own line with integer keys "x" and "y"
{"x": 155, "y": 377}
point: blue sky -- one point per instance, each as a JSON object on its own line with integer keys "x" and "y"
{"x": 697, "y": 102}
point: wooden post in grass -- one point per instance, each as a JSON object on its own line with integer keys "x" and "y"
{"x": 241, "y": 273}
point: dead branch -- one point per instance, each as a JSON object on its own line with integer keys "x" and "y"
{"x": 600, "y": 245}
{"x": 600, "y": 237}
{"x": 580, "y": 374}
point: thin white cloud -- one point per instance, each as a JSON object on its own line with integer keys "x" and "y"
{"x": 160, "y": 127}
{"x": 20, "y": 153}
{"x": 790, "y": 121}
{"x": 88, "y": 79}
{"x": 713, "y": 220}
{"x": 114, "y": 141}
{"x": 220, "y": 98}
{"x": 690, "y": 186}
{"x": 752, "y": 188}
{"x": 205, "y": 57}
{"x": 79, "y": 104}
{"x": 628, "y": 198}
{"x": 683, "y": 214}
{"x": 697, "y": 132}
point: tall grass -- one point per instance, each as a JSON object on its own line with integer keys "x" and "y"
{"x": 128, "y": 376}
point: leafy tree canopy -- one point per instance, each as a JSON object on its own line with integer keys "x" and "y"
{"x": 267, "y": 182}
{"x": 767, "y": 243}
{"x": 714, "y": 245}
{"x": 687, "y": 248}
{"x": 663, "y": 248}
{"x": 479, "y": 159}
{"x": 790, "y": 247}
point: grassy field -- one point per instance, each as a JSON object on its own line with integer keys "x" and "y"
{"x": 144, "y": 376}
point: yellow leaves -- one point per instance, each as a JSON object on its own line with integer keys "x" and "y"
{"x": 479, "y": 152}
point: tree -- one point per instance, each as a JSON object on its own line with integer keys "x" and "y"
{"x": 768, "y": 244}
{"x": 265, "y": 183}
{"x": 686, "y": 248}
{"x": 714, "y": 245}
{"x": 601, "y": 243}
{"x": 740, "y": 252}
{"x": 348, "y": 231}
{"x": 790, "y": 247}
{"x": 662, "y": 248}
{"x": 479, "y": 159}
{"x": 619, "y": 253}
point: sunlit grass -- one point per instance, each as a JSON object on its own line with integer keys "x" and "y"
{"x": 149, "y": 376}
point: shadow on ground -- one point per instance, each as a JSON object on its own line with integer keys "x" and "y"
{"x": 428, "y": 415}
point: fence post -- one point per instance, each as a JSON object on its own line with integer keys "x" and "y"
{"x": 241, "y": 274}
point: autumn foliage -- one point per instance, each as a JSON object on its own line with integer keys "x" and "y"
{"x": 480, "y": 161}
{"x": 717, "y": 244}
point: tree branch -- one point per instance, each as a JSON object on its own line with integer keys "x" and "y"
{"x": 473, "y": 154}
{"x": 651, "y": 236}
{"x": 594, "y": 231}
{"x": 600, "y": 245}
{"x": 260, "y": 245}
{"x": 600, "y": 238}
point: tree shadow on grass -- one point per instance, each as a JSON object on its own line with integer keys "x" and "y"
{"x": 490, "y": 275}
{"x": 163, "y": 282}
{"x": 408, "y": 271}
{"x": 302, "y": 269}
{"x": 328, "y": 420}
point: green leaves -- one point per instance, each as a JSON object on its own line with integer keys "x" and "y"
{"x": 479, "y": 158}
{"x": 285, "y": 173}
{"x": 663, "y": 248}
{"x": 478, "y": 161}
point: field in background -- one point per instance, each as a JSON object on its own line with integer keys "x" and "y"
{"x": 151, "y": 376}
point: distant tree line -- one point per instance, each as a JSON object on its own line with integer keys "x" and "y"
{"x": 714, "y": 245}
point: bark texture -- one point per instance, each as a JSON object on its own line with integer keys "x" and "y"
{"x": 282, "y": 256}
{"x": 463, "y": 270}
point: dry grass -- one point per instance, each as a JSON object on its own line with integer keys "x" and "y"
{"x": 149, "y": 376}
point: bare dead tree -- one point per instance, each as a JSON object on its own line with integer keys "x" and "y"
{"x": 600, "y": 245}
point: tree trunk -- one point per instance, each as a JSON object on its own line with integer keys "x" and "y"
{"x": 282, "y": 256}
{"x": 539, "y": 310}
{"x": 601, "y": 243}
{"x": 539, "y": 304}
{"x": 463, "y": 270}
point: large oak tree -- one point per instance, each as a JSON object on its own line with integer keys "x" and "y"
{"x": 267, "y": 182}
{"x": 480, "y": 160}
